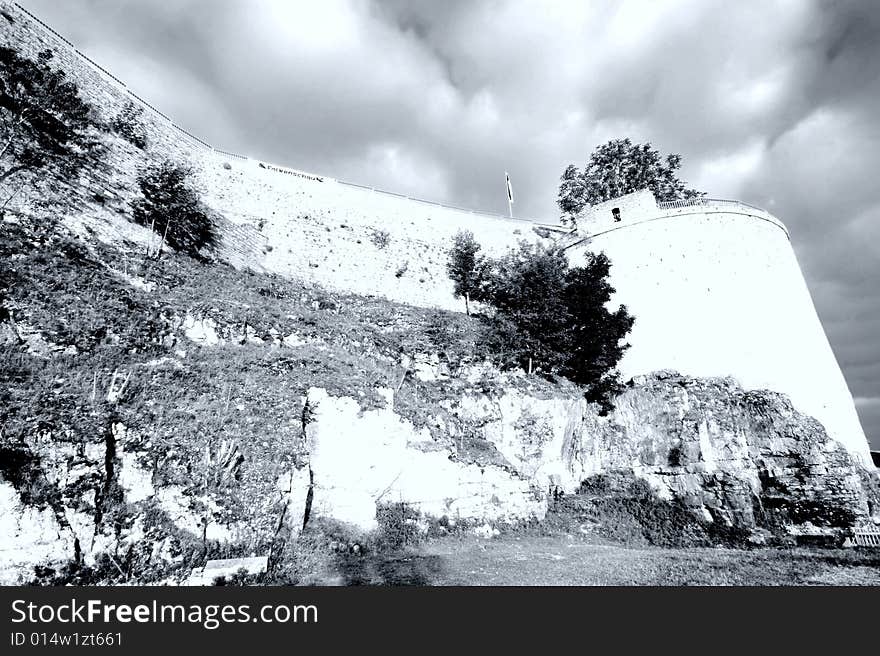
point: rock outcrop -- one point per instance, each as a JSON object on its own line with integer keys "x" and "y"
{"x": 744, "y": 458}
{"x": 362, "y": 459}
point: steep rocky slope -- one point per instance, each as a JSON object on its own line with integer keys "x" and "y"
{"x": 155, "y": 414}
{"x": 739, "y": 457}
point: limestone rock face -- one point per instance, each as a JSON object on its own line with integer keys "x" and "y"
{"x": 51, "y": 506}
{"x": 741, "y": 457}
{"x": 32, "y": 536}
{"x": 361, "y": 459}
{"x": 744, "y": 458}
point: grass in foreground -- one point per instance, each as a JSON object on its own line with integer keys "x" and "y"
{"x": 566, "y": 560}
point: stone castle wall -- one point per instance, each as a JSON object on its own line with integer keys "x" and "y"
{"x": 24, "y": 32}
{"x": 715, "y": 288}
{"x": 339, "y": 235}
{"x": 717, "y": 291}
{"x": 346, "y": 237}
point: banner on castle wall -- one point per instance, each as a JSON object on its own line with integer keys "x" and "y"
{"x": 299, "y": 174}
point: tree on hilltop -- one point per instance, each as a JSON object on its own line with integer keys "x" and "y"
{"x": 572, "y": 198}
{"x": 43, "y": 121}
{"x": 616, "y": 168}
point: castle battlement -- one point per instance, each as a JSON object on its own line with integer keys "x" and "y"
{"x": 641, "y": 206}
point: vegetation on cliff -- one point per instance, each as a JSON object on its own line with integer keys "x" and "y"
{"x": 548, "y": 317}
{"x": 106, "y": 355}
{"x": 172, "y": 208}
{"x": 46, "y": 126}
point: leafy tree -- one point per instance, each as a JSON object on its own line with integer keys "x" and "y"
{"x": 526, "y": 288}
{"x": 593, "y": 341}
{"x": 555, "y": 318}
{"x": 43, "y": 121}
{"x": 571, "y": 192}
{"x": 171, "y": 207}
{"x": 620, "y": 167}
{"x": 467, "y": 268}
{"x": 128, "y": 124}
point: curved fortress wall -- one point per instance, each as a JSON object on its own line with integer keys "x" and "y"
{"x": 271, "y": 218}
{"x": 347, "y": 237}
{"x": 716, "y": 291}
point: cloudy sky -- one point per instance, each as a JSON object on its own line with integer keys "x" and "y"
{"x": 772, "y": 102}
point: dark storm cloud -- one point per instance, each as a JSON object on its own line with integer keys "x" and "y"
{"x": 771, "y": 102}
{"x": 819, "y": 175}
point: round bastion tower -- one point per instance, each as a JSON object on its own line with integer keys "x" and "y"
{"x": 716, "y": 290}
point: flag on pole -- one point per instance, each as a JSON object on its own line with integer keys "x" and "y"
{"x": 509, "y": 188}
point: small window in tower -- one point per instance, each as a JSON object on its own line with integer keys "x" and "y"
{"x": 615, "y": 213}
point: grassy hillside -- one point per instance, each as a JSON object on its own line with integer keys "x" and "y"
{"x": 95, "y": 338}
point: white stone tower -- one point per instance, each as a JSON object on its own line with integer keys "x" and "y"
{"x": 716, "y": 290}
